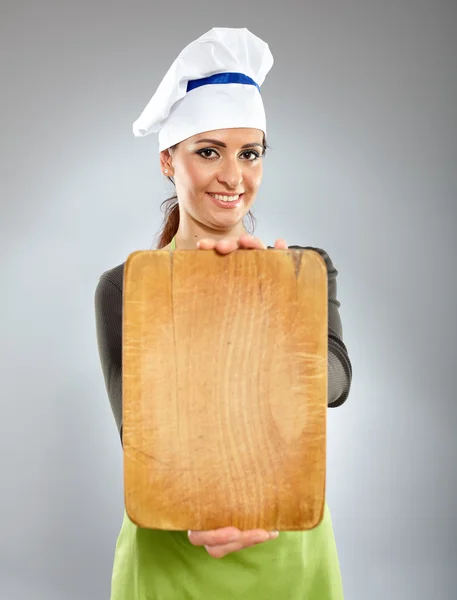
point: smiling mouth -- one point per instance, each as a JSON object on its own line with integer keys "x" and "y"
{"x": 225, "y": 197}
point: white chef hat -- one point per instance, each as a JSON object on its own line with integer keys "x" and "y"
{"x": 214, "y": 83}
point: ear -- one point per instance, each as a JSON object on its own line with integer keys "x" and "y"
{"x": 166, "y": 163}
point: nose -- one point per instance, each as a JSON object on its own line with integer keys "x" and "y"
{"x": 230, "y": 173}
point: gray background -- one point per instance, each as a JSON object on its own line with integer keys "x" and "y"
{"x": 361, "y": 107}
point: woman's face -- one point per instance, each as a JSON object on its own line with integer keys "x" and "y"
{"x": 217, "y": 175}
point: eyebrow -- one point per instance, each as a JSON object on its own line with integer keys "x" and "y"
{"x": 218, "y": 143}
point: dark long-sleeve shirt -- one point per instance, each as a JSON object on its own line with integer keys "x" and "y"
{"x": 108, "y": 316}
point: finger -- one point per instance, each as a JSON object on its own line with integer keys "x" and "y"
{"x": 215, "y": 537}
{"x": 206, "y": 244}
{"x": 251, "y": 242}
{"x": 224, "y": 549}
{"x": 226, "y": 246}
{"x": 226, "y": 535}
{"x": 281, "y": 244}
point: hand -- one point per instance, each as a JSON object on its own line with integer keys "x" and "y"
{"x": 243, "y": 242}
{"x": 220, "y": 542}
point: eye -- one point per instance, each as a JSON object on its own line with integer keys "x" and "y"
{"x": 206, "y": 150}
{"x": 207, "y": 153}
{"x": 253, "y": 153}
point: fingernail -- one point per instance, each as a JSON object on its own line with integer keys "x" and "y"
{"x": 274, "y": 535}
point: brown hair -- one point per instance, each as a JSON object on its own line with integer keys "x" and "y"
{"x": 170, "y": 208}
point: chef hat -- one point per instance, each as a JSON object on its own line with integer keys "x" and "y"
{"x": 213, "y": 84}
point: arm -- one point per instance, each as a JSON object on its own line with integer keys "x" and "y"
{"x": 108, "y": 320}
{"x": 339, "y": 364}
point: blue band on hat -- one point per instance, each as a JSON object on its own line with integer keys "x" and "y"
{"x": 221, "y": 78}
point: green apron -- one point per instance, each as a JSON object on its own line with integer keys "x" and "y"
{"x": 152, "y": 564}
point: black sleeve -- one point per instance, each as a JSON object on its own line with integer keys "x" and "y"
{"x": 108, "y": 320}
{"x": 339, "y": 364}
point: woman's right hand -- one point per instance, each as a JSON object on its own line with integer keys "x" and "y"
{"x": 220, "y": 542}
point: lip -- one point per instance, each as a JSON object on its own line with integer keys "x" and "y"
{"x": 225, "y": 193}
{"x": 227, "y": 205}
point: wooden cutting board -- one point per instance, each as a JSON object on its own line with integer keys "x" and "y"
{"x": 225, "y": 389}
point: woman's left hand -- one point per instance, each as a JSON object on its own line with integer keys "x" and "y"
{"x": 245, "y": 241}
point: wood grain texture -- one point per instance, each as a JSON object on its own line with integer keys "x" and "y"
{"x": 225, "y": 389}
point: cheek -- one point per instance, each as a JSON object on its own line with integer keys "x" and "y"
{"x": 196, "y": 178}
{"x": 254, "y": 177}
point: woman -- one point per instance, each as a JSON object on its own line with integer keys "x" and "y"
{"x": 211, "y": 122}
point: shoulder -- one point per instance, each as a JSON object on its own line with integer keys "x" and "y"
{"x": 331, "y": 270}
{"x": 112, "y": 278}
{"x": 108, "y": 291}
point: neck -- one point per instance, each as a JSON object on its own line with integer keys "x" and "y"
{"x": 189, "y": 233}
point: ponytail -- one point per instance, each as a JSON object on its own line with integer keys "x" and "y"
{"x": 170, "y": 223}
